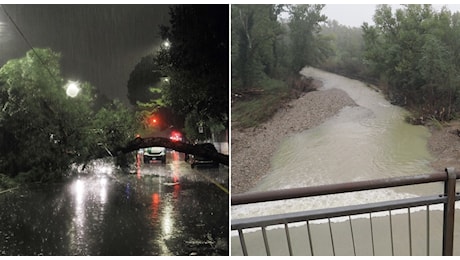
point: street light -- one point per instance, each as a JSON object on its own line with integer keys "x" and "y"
{"x": 72, "y": 88}
{"x": 166, "y": 44}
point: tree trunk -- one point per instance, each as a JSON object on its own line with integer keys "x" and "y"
{"x": 197, "y": 149}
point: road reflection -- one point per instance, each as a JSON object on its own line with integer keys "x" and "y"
{"x": 78, "y": 223}
{"x": 164, "y": 213}
{"x": 89, "y": 197}
{"x": 176, "y": 168}
{"x": 138, "y": 166}
{"x": 159, "y": 209}
{"x": 103, "y": 190}
{"x": 155, "y": 206}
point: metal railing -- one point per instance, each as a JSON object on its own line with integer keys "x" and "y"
{"x": 447, "y": 199}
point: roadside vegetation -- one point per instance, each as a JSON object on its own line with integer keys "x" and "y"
{"x": 412, "y": 54}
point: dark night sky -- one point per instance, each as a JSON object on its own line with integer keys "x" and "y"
{"x": 100, "y": 44}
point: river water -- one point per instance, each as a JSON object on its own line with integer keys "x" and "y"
{"x": 363, "y": 142}
{"x": 367, "y": 141}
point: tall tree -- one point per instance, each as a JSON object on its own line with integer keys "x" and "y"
{"x": 196, "y": 62}
{"x": 43, "y": 130}
{"x": 308, "y": 47}
{"x": 255, "y": 52}
{"x": 270, "y": 45}
{"x": 145, "y": 75}
{"x": 36, "y": 115}
{"x": 413, "y": 49}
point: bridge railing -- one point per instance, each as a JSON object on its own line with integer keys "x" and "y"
{"x": 446, "y": 198}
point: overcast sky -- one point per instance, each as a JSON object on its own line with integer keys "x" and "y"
{"x": 355, "y": 14}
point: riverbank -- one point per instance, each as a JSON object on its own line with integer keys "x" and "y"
{"x": 444, "y": 145}
{"x": 7, "y": 184}
{"x": 253, "y": 148}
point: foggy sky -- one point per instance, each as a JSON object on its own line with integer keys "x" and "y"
{"x": 100, "y": 44}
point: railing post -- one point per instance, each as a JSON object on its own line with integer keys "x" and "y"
{"x": 449, "y": 213}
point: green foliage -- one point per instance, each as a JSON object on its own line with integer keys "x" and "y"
{"x": 30, "y": 118}
{"x": 197, "y": 61}
{"x": 264, "y": 46}
{"x": 307, "y": 47}
{"x": 146, "y": 74}
{"x": 195, "y": 66}
{"x": 253, "y": 111}
{"x": 436, "y": 123}
{"x": 6, "y": 182}
{"x": 114, "y": 125}
{"x": 268, "y": 50}
{"x": 193, "y": 123}
{"x": 415, "y": 49}
{"x": 43, "y": 130}
{"x": 255, "y": 44}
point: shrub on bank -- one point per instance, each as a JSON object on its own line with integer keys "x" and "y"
{"x": 6, "y": 182}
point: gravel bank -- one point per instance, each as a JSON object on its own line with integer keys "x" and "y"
{"x": 252, "y": 148}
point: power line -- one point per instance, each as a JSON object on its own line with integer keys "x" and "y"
{"x": 45, "y": 102}
{"x": 30, "y": 45}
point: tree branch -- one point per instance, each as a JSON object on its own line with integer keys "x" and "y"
{"x": 203, "y": 150}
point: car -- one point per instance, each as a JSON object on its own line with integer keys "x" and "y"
{"x": 195, "y": 160}
{"x": 176, "y": 136}
{"x": 155, "y": 153}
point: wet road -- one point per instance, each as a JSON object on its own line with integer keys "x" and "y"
{"x": 159, "y": 209}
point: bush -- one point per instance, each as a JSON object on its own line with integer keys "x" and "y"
{"x": 6, "y": 182}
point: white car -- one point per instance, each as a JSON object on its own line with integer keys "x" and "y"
{"x": 155, "y": 153}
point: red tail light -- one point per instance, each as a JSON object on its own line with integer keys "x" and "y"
{"x": 176, "y": 136}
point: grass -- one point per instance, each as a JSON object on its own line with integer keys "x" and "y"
{"x": 7, "y": 183}
{"x": 436, "y": 123}
{"x": 254, "y": 110}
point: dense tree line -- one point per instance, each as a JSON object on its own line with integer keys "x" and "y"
{"x": 44, "y": 131}
{"x": 275, "y": 41}
{"x": 415, "y": 51}
{"x": 270, "y": 45}
{"x": 412, "y": 53}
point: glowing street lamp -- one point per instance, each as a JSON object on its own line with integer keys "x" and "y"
{"x": 72, "y": 89}
{"x": 166, "y": 44}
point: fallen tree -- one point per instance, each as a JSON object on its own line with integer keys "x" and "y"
{"x": 204, "y": 150}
